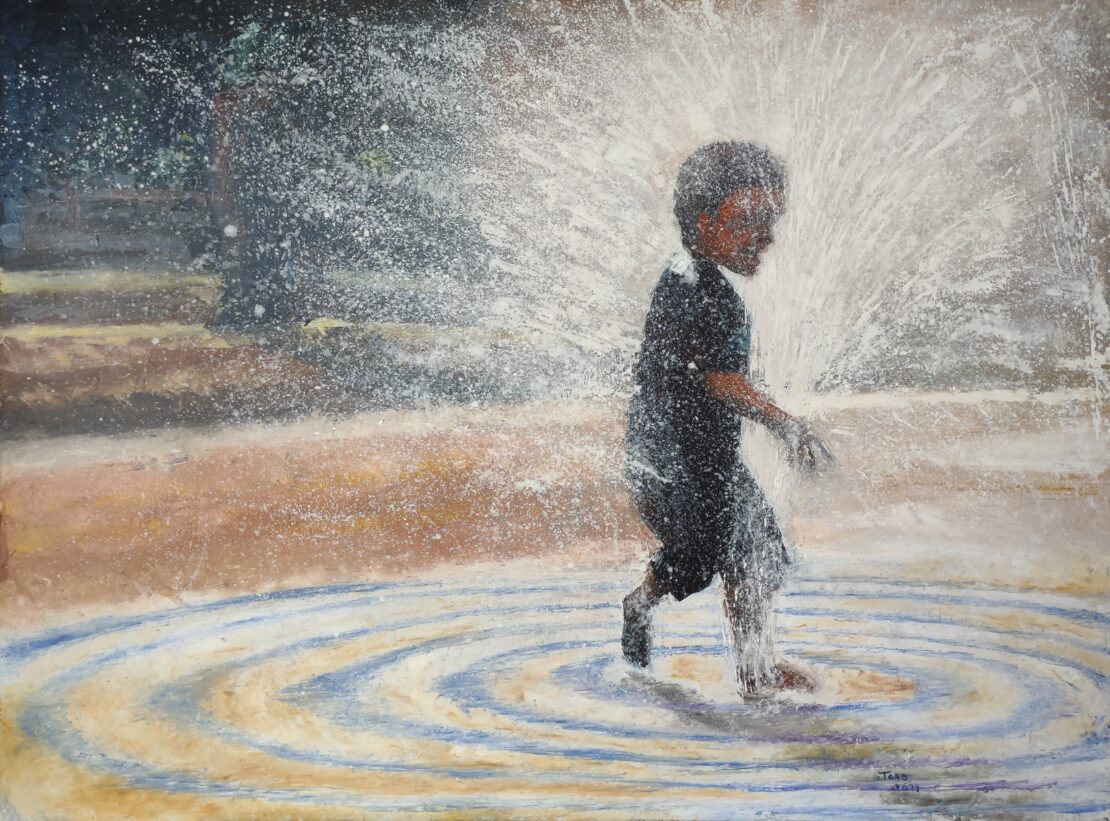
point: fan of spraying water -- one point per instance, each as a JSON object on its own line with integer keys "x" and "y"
{"x": 943, "y": 181}
{"x": 920, "y": 246}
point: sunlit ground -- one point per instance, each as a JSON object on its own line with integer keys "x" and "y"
{"x": 443, "y": 633}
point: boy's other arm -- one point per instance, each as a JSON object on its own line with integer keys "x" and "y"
{"x": 732, "y": 388}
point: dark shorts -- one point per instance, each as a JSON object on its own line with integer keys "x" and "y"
{"x": 710, "y": 520}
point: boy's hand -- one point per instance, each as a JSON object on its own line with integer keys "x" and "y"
{"x": 805, "y": 450}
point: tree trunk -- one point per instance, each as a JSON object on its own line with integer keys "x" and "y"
{"x": 255, "y": 290}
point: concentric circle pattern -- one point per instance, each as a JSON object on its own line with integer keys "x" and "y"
{"x": 509, "y": 698}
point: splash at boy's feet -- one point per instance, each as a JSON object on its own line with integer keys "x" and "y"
{"x": 636, "y": 645}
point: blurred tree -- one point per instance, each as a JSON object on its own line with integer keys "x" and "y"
{"x": 337, "y": 146}
{"x": 330, "y": 139}
{"x": 241, "y": 204}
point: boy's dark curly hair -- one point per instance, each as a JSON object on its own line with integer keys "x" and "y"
{"x": 712, "y": 173}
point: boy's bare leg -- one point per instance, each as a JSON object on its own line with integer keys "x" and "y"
{"x": 751, "y": 630}
{"x": 636, "y": 636}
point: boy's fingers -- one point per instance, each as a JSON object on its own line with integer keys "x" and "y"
{"x": 807, "y": 457}
{"x": 809, "y": 454}
{"x": 818, "y": 448}
{"x": 804, "y": 452}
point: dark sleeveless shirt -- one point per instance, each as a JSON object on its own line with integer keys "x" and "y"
{"x": 697, "y": 323}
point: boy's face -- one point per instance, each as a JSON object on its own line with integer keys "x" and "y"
{"x": 741, "y": 230}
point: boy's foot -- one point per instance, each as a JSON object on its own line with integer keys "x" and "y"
{"x": 786, "y": 676}
{"x": 748, "y": 685}
{"x": 636, "y": 636}
{"x": 790, "y": 676}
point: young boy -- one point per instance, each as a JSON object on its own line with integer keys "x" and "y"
{"x": 683, "y": 464}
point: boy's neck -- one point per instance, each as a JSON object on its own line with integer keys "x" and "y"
{"x": 698, "y": 259}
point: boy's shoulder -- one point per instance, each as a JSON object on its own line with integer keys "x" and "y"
{"x": 682, "y": 270}
{"x": 679, "y": 297}
{"x": 678, "y": 285}
{"x": 677, "y": 291}
{"x": 696, "y": 280}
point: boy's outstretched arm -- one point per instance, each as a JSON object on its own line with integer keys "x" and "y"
{"x": 806, "y": 450}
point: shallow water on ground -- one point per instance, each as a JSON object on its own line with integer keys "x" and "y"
{"x": 509, "y": 695}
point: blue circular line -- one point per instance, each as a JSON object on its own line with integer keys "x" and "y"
{"x": 18, "y": 653}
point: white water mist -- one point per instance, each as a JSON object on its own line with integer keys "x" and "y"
{"x": 944, "y": 178}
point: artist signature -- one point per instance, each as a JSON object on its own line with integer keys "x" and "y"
{"x": 900, "y": 782}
